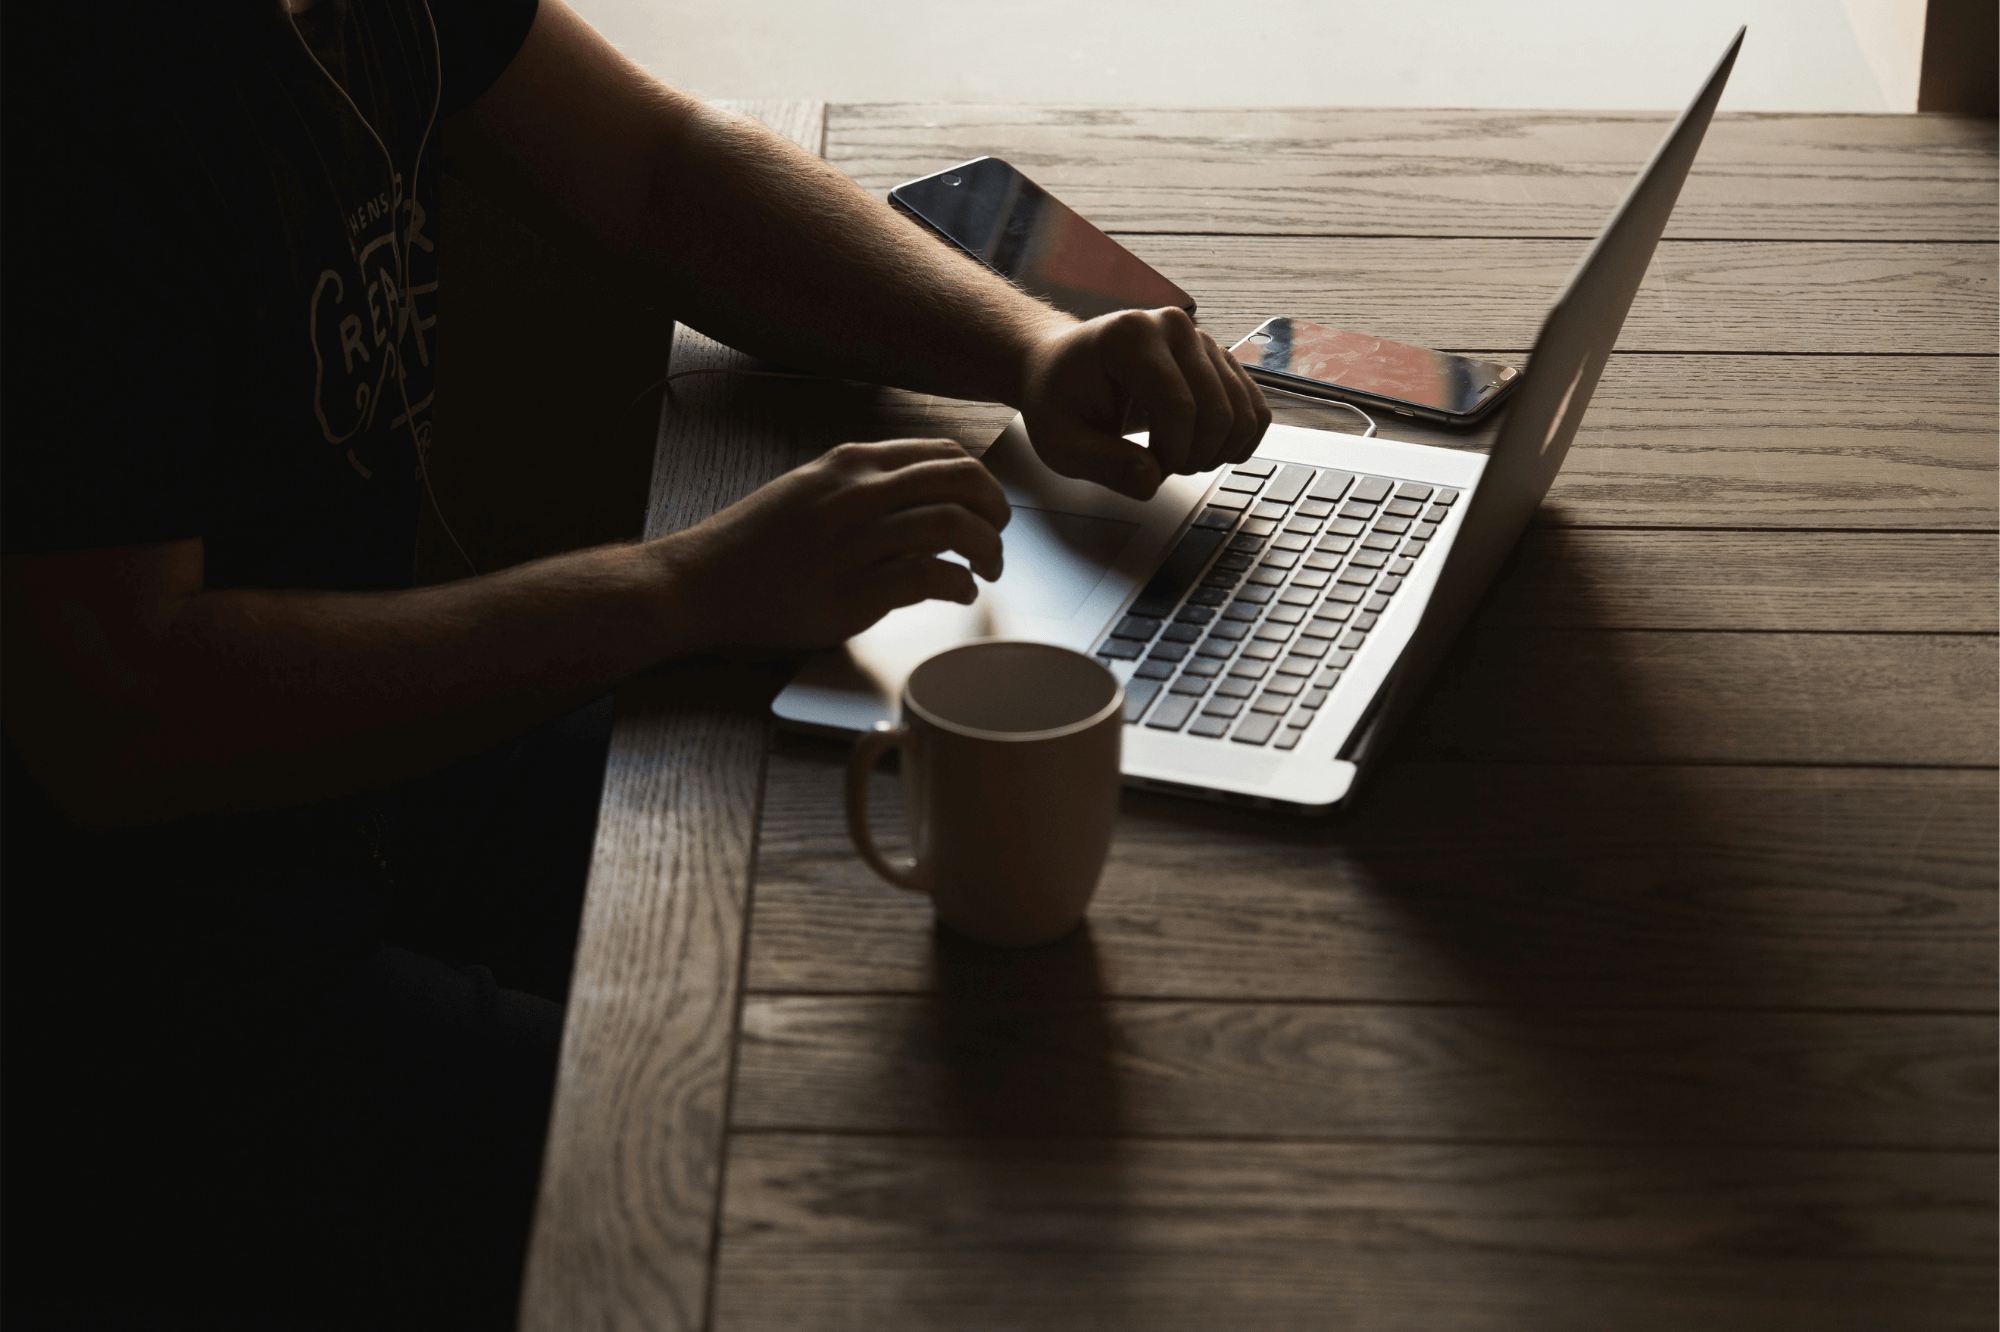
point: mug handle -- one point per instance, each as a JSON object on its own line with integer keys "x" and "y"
{"x": 868, "y": 751}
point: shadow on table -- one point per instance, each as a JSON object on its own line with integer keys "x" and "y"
{"x": 1029, "y": 1096}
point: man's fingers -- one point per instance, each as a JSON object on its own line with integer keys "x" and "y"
{"x": 1110, "y": 460}
{"x": 904, "y": 582}
{"x": 962, "y": 480}
{"x": 931, "y": 530}
{"x": 1214, "y": 412}
{"x": 889, "y": 454}
{"x": 1250, "y": 414}
{"x": 1145, "y": 361}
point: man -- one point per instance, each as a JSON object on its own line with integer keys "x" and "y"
{"x": 236, "y": 735}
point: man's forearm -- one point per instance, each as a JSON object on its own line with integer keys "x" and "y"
{"x": 250, "y": 699}
{"x": 737, "y": 231}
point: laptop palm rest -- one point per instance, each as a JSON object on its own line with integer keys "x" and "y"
{"x": 1075, "y": 553}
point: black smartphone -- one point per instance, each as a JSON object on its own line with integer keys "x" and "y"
{"x": 1326, "y": 362}
{"x": 1027, "y": 235}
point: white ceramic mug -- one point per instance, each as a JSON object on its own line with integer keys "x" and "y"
{"x": 1010, "y": 786}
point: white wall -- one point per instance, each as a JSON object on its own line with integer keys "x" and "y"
{"x": 1801, "y": 55}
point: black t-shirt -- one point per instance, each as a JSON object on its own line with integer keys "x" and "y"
{"x": 221, "y": 276}
{"x": 220, "y": 321}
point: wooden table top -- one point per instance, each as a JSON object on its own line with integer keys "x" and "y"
{"x": 1655, "y": 985}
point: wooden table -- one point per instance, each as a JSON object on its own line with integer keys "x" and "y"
{"x": 1653, "y": 988}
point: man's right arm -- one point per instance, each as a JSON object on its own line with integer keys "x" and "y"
{"x": 137, "y": 694}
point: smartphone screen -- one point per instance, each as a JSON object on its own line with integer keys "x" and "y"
{"x": 1034, "y": 239}
{"x": 1455, "y": 386}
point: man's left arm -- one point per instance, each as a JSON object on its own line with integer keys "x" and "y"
{"x": 769, "y": 249}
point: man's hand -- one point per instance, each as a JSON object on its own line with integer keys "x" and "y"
{"x": 1085, "y": 385}
{"x": 827, "y": 550}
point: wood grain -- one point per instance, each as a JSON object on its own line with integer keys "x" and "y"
{"x": 1847, "y": 582}
{"x": 1453, "y": 883}
{"x": 1454, "y": 173}
{"x": 1815, "y": 297}
{"x": 1706, "y": 441}
{"x": 973, "y": 1234}
{"x": 955, "y": 1063}
{"x": 1673, "y": 697}
{"x": 625, "y": 1223}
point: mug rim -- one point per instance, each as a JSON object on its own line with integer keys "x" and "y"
{"x": 1116, "y": 705}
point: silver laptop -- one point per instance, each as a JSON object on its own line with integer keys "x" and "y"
{"x": 1273, "y": 622}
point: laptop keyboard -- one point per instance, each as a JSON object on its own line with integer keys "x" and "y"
{"x": 1246, "y": 628}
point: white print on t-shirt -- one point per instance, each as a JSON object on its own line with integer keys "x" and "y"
{"x": 364, "y": 325}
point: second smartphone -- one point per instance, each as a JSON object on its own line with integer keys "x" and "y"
{"x": 1323, "y": 362}
{"x": 1014, "y": 226}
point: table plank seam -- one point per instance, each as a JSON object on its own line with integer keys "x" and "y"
{"x": 1373, "y": 1140}
{"x": 1320, "y": 1001}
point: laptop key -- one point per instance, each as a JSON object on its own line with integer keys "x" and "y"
{"x": 1312, "y": 699}
{"x": 1140, "y": 627}
{"x": 1255, "y": 467}
{"x": 1367, "y": 559}
{"x": 1356, "y": 511}
{"x": 1201, "y": 666}
{"x": 1235, "y": 689}
{"x": 1377, "y": 604}
{"x": 1284, "y": 686}
{"x": 1222, "y": 707}
{"x": 1423, "y": 531}
{"x": 1224, "y": 499}
{"x": 1359, "y": 577}
{"x": 1280, "y": 559}
{"x": 1214, "y": 517}
{"x": 1193, "y": 615}
{"x": 1120, "y": 649}
{"x": 1354, "y": 642}
{"x": 1345, "y": 527}
{"x": 1342, "y": 592}
{"x": 1299, "y": 596}
{"x": 1210, "y": 727}
{"x": 1309, "y": 647}
{"x": 1436, "y": 513}
{"x": 1172, "y": 713}
{"x": 1242, "y": 609}
{"x": 1273, "y": 633}
{"x": 1270, "y": 704}
{"x": 1314, "y": 508}
{"x": 1321, "y": 559}
{"x": 1366, "y": 621}
{"x": 1391, "y": 583}
{"x": 1392, "y": 524}
{"x": 1379, "y": 541}
{"x": 1256, "y": 729}
{"x": 1243, "y": 482}
{"x": 1331, "y": 485}
{"x": 1285, "y": 615}
{"x": 1303, "y": 526}
{"x": 1413, "y": 490}
{"x": 1181, "y": 633}
{"x": 1248, "y": 544}
{"x": 1192, "y": 685}
{"x": 1250, "y": 670}
{"x": 1414, "y": 547}
{"x": 1314, "y": 578}
{"x": 1234, "y": 560}
{"x": 1167, "y": 652}
{"x": 1138, "y": 693}
{"x": 1372, "y": 490}
{"x": 1260, "y": 651}
{"x": 1220, "y": 649}
{"x": 1403, "y": 508}
{"x": 1444, "y": 496}
{"x": 1288, "y": 739}
{"x": 1401, "y": 566}
{"x": 1297, "y": 665}
{"x": 1154, "y": 670}
{"x": 1255, "y": 595}
{"x": 1286, "y": 485}
{"x": 1269, "y": 512}
{"x": 1207, "y": 596}
{"x": 1177, "y": 572}
{"x": 1258, "y": 526}
{"x": 1266, "y": 578}
{"x": 1229, "y": 629}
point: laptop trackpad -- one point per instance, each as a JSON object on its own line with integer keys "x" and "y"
{"x": 1056, "y": 560}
